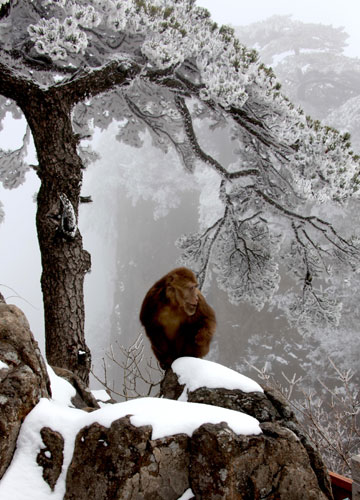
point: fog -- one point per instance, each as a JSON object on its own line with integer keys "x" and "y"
{"x": 142, "y": 202}
{"x": 19, "y": 250}
{"x": 338, "y": 13}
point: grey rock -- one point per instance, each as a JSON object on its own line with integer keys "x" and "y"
{"x": 272, "y": 465}
{"x": 51, "y": 457}
{"x": 274, "y": 413}
{"x": 23, "y": 376}
{"x": 124, "y": 462}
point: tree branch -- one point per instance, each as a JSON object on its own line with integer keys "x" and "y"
{"x": 342, "y": 245}
{"x": 91, "y": 83}
{"x": 176, "y": 81}
{"x": 189, "y": 130}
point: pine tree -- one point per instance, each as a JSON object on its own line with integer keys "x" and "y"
{"x": 166, "y": 66}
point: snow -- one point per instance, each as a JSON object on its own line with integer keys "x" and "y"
{"x": 100, "y": 395}
{"x": 195, "y": 373}
{"x": 32, "y": 486}
{"x": 3, "y": 366}
{"x": 62, "y": 390}
{"x": 167, "y": 417}
{"x": 187, "y": 495}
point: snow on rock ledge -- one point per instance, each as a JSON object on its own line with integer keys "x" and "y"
{"x": 195, "y": 373}
{"x": 201, "y": 381}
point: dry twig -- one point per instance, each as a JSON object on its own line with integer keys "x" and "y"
{"x": 331, "y": 419}
{"x": 139, "y": 377}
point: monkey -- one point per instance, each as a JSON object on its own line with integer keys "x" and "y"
{"x": 176, "y": 317}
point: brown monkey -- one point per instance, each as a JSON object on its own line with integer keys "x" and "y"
{"x": 177, "y": 318}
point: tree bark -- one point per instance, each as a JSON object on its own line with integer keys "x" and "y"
{"x": 64, "y": 262}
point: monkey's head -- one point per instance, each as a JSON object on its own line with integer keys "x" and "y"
{"x": 182, "y": 290}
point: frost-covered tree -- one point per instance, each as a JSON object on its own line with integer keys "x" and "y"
{"x": 164, "y": 66}
{"x": 310, "y": 62}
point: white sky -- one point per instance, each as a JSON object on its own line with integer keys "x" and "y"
{"x": 339, "y": 13}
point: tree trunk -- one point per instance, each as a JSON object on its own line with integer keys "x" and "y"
{"x": 64, "y": 262}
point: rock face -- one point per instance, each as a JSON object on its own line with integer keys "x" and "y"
{"x": 279, "y": 464}
{"x": 23, "y": 375}
{"x": 122, "y": 461}
{"x": 273, "y": 465}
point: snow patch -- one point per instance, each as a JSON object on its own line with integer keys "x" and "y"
{"x": 187, "y": 495}
{"x": 100, "y": 395}
{"x": 62, "y": 391}
{"x": 195, "y": 373}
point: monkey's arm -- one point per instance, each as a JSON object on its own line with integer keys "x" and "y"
{"x": 162, "y": 347}
{"x": 196, "y": 337}
{"x": 205, "y": 328}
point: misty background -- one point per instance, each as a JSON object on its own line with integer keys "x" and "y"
{"x": 143, "y": 201}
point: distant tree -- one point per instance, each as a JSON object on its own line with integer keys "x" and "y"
{"x": 166, "y": 67}
{"x": 309, "y": 61}
{"x": 281, "y": 34}
{"x": 347, "y": 117}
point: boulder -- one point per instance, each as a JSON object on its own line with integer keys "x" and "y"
{"x": 116, "y": 457}
{"x": 272, "y": 465}
{"x": 124, "y": 462}
{"x": 280, "y": 463}
{"x": 213, "y": 462}
{"x": 23, "y": 376}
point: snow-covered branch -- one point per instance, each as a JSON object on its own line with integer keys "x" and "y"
{"x": 165, "y": 67}
{"x": 13, "y": 165}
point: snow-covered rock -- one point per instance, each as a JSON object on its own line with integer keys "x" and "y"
{"x": 225, "y": 438}
{"x": 23, "y": 378}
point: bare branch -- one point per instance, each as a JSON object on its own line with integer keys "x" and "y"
{"x": 330, "y": 420}
{"x": 138, "y": 378}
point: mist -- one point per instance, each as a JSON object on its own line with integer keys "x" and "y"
{"x": 142, "y": 201}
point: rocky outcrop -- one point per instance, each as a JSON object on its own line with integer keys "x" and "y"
{"x": 272, "y": 465}
{"x": 124, "y": 462}
{"x": 117, "y": 454}
{"x": 23, "y": 376}
{"x": 214, "y": 462}
{"x": 280, "y": 463}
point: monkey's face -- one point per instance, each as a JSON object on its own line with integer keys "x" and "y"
{"x": 182, "y": 291}
{"x": 187, "y": 297}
